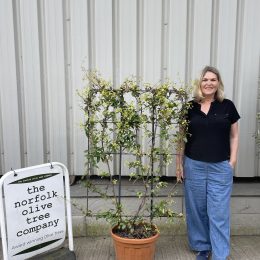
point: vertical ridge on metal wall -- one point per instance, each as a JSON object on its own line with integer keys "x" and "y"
{"x": 238, "y": 47}
{"x": 139, "y": 48}
{"x": 139, "y": 38}
{"x": 257, "y": 134}
{"x": 68, "y": 85}
{"x": 214, "y": 32}
{"x": 91, "y": 33}
{"x": 115, "y": 43}
{"x": 116, "y": 66}
{"x": 189, "y": 40}
{"x": 20, "y": 82}
{"x": 165, "y": 39}
{"x": 43, "y": 79}
{"x": 91, "y": 52}
{"x": 2, "y": 161}
{"x": 164, "y": 57}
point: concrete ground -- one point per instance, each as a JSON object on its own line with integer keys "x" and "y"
{"x": 167, "y": 248}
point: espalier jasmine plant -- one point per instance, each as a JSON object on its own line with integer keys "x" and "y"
{"x": 141, "y": 121}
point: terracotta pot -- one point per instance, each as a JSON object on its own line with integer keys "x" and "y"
{"x": 134, "y": 249}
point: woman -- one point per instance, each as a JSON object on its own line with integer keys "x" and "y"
{"x": 210, "y": 155}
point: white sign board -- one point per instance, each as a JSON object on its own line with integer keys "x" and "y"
{"x": 34, "y": 206}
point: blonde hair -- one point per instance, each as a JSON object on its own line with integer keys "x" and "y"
{"x": 197, "y": 94}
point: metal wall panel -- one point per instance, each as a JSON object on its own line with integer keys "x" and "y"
{"x": 201, "y": 32}
{"x": 45, "y": 43}
{"x": 127, "y": 32}
{"x": 29, "y": 90}
{"x": 55, "y": 79}
{"x": 80, "y": 47}
{"x": 10, "y": 132}
{"x": 103, "y": 36}
{"x": 226, "y": 43}
{"x": 246, "y": 84}
{"x": 177, "y": 45}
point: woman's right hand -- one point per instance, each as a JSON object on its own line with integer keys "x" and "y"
{"x": 179, "y": 173}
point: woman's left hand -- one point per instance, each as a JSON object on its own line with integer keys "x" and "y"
{"x": 232, "y": 164}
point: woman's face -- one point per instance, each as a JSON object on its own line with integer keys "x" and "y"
{"x": 209, "y": 84}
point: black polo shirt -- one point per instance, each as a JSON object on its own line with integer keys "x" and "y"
{"x": 209, "y": 134}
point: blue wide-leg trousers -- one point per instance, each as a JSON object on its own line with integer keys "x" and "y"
{"x": 208, "y": 188}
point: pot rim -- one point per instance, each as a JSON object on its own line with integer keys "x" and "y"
{"x": 133, "y": 240}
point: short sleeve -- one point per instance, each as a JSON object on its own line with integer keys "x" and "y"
{"x": 233, "y": 114}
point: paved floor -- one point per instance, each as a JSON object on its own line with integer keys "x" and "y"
{"x": 167, "y": 248}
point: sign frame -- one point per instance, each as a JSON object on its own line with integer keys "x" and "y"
{"x": 68, "y": 218}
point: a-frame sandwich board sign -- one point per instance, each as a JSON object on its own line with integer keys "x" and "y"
{"x": 35, "y": 210}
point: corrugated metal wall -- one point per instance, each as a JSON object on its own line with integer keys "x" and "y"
{"x": 43, "y": 45}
